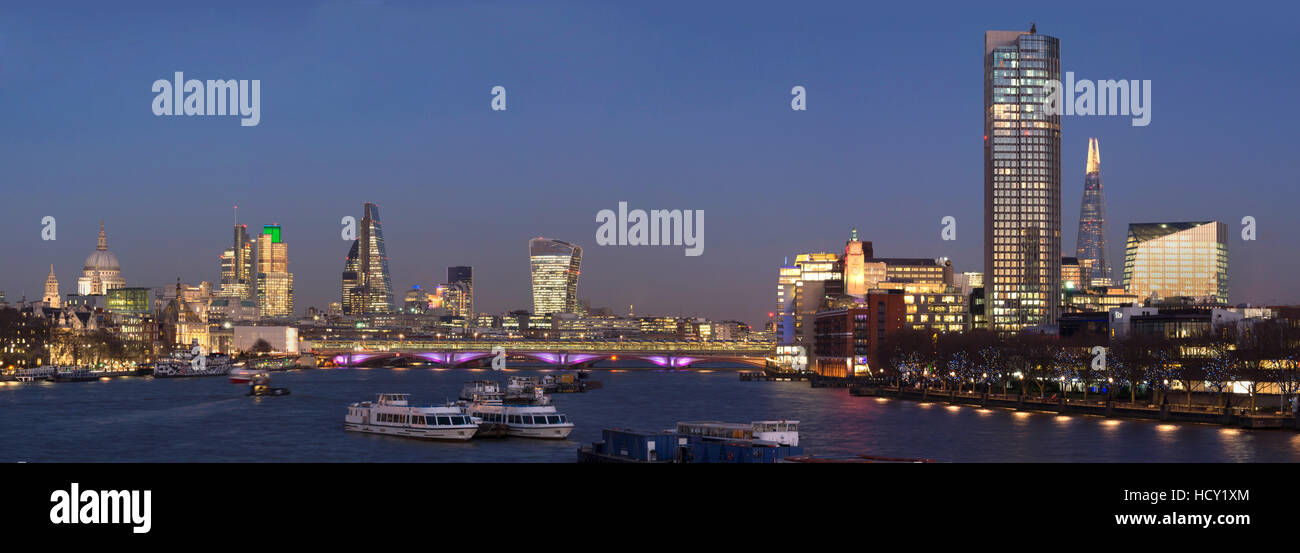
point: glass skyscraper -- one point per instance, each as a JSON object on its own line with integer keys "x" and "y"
{"x": 274, "y": 281}
{"x": 367, "y": 284}
{"x": 1022, "y": 181}
{"x": 237, "y": 266}
{"x": 1177, "y": 259}
{"x": 1091, "y": 246}
{"x": 555, "y": 268}
{"x": 464, "y": 277}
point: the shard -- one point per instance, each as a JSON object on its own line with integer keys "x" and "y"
{"x": 1091, "y": 245}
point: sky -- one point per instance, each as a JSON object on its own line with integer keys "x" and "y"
{"x": 664, "y": 105}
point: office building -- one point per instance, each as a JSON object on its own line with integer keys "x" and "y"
{"x": 1187, "y": 259}
{"x": 463, "y": 276}
{"x": 1022, "y": 181}
{"x": 367, "y": 282}
{"x": 274, "y": 281}
{"x": 555, "y": 266}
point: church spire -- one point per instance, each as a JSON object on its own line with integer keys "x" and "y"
{"x": 1094, "y": 156}
{"x": 103, "y": 238}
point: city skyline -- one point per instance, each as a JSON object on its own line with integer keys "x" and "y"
{"x": 1178, "y": 160}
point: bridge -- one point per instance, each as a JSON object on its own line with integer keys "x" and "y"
{"x": 559, "y": 353}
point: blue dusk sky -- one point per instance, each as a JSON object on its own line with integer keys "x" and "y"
{"x": 664, "y": 105}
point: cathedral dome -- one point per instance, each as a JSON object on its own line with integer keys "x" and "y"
{"x": 102, "y": 260}
{"x": 101, "y": 273}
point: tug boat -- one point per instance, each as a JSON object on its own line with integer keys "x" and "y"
{"x": 392, "y": 414}
{"x": 260, "y": 385}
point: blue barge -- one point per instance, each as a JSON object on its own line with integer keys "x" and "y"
{"x": 698, "y": 442}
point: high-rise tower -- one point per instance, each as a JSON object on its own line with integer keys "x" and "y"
{"x": 367, "y": 284}
{"x": 555, "y": 266}
{"x": 463, "y": 276}
{"x": 1091, "y": 244}
{"x": 274, "y": 281}
{"x": 237, "y": 267}
{"x": 1022, "y": 181}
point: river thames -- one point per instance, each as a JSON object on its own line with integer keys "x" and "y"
{"x": 209, "y": 419}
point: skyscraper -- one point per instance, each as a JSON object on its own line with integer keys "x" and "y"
{"x": 237, "y": 276}
{"x": 367, "y": 284}
{"x": 1022, "y": 180}
{"x": 1091, "y": 245}
{"x": 555, "y": 268}
{"x": 274, "y": 281}
{"x": 463, "y": 276}
{"x": 1177, "y": 259}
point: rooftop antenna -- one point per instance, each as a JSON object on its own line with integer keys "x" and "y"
{"x": 1033, "y": 28}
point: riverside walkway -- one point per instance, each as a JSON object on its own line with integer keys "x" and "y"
{"x": 1226, "y": 416}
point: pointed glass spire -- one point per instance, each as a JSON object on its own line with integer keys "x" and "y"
{"x": 1094, "y": 157}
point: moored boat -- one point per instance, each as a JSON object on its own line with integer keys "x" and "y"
{"x": 392, "y": 414}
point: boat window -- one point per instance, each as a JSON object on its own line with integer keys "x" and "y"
{"x": 444, "y": 421}
{"x": 564, "y": 419}
{"x": 552, "y": 419}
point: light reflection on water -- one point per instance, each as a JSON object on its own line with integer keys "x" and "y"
{"x": 209, "y": 419}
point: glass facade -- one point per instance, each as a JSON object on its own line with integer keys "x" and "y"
{"x": 463, "y": 277}
{"x": 129, "y": 301}
{"x": 555, "y": 266}
{"x": 1090, "y": 248}
{"x": 367, "y": 283}
{"x": 274, "y": 281}
{"x": 237, "y": 273}
{"x": 1022, "y": 181}
{"x": 1177, "y": 259}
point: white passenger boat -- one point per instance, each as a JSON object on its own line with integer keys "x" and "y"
{"x": 521, "y": 420}
{"x": 392, "y": 415}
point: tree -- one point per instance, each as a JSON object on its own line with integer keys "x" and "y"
{"x": 1192, "y": 360}
{"x": 1220, "y": 367}
{"x": 1125, "y": 358}
{"x": 261, "y": 347}
{"x": 1160, "y": 368}
{"x": 989, "y": 359}
{"x": 1063, "y": 366}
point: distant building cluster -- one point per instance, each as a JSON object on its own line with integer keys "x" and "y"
{"x": 835, "y": 311}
